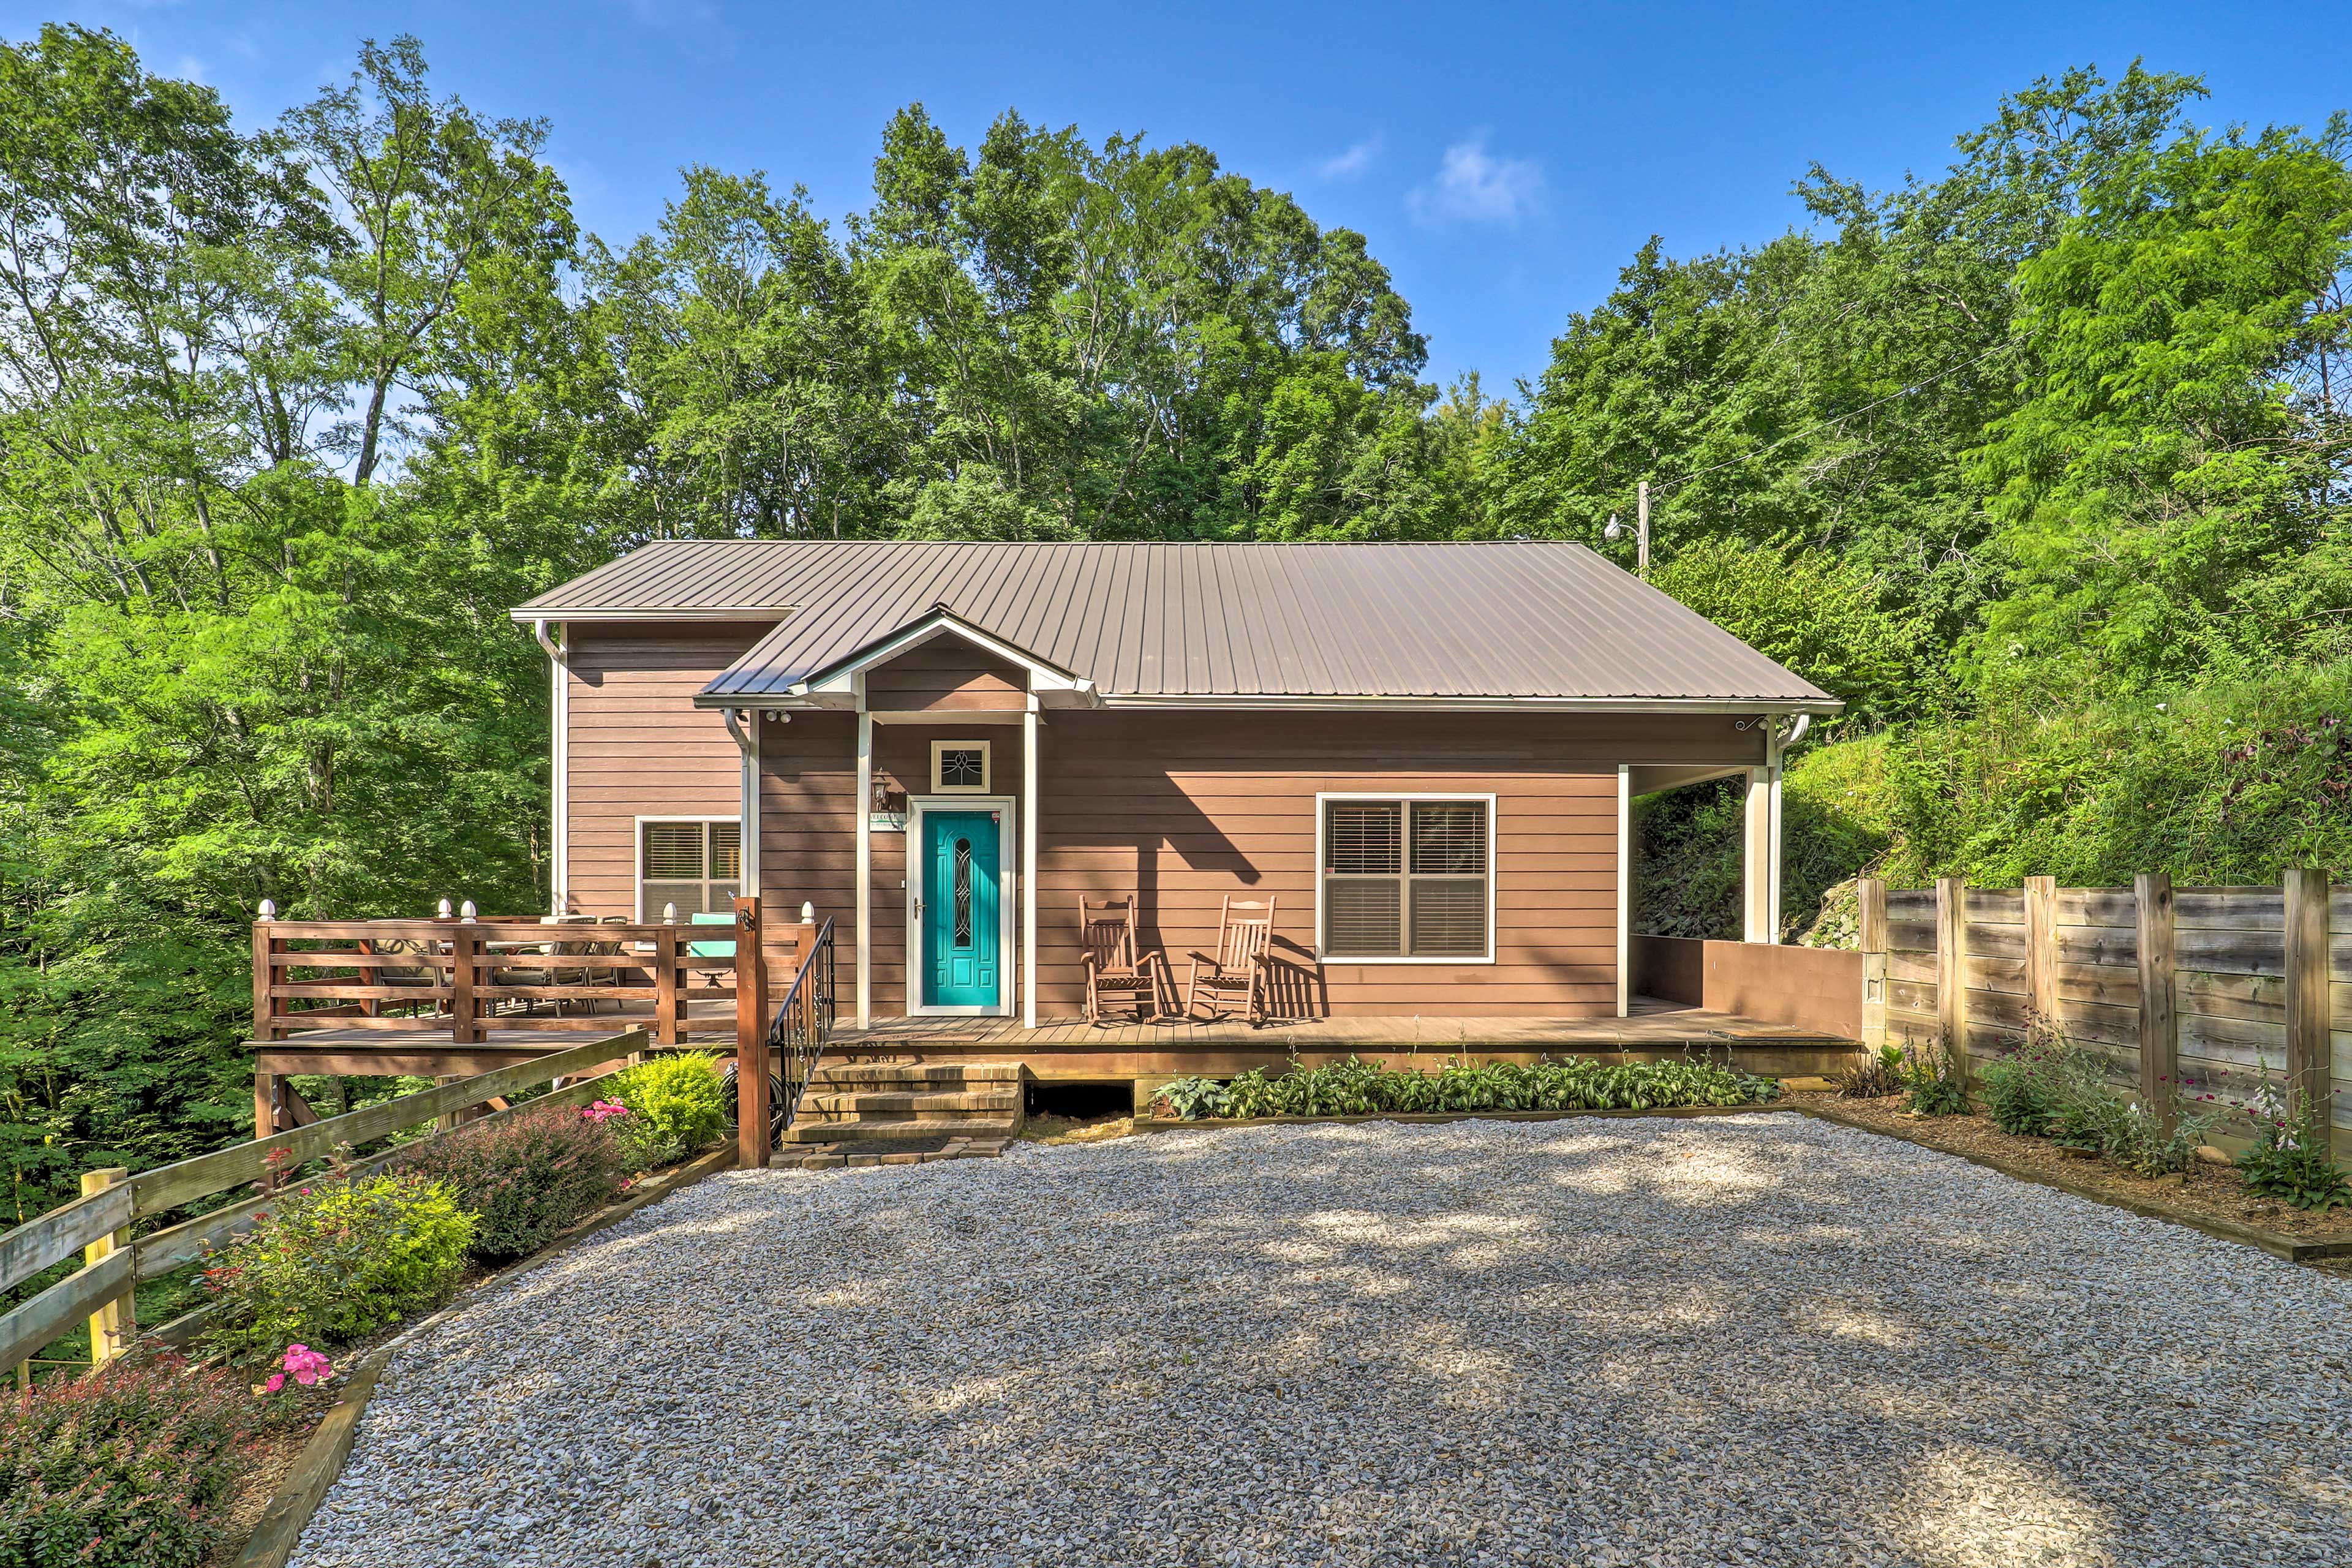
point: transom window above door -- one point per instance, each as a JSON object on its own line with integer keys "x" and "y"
{"x": 960, "y": 767}
{"x": 695, "y": 865}
{"x": 1406, "y": 879}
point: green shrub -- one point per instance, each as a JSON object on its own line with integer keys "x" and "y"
{"x": 526, "y": 1177}
{"x": 2140, "y": 1142}
{"x": 2026, "y": 1091}
{"x": 126, "y": 1468}
{"x": 2292, "y": 1159}
{"x": 1356, "y": 1088}
{"x": 337, "y": 1260}
{"x": 678, "y": 1105}
{"x": 1931, "y": 1078}
{"x": 1872, "y": 1075}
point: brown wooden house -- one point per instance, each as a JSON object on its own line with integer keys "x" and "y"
{"x": 1423, "y": 754}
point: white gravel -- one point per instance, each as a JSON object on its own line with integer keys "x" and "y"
{"x": 1758, "y": 1339}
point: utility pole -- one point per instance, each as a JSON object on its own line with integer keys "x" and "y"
{"x": 1641, "y": 531}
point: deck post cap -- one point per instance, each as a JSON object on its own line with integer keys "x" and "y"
{"x": 269, "y": 908}
{"x": 465, "y": 911}
{"x": 445, "y": 908}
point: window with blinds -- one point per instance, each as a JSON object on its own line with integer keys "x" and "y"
{"x": 697, "y": 867}
{"x": 1405, "y": 878}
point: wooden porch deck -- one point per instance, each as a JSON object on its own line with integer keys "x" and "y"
{"x": 1073, "y": 1049}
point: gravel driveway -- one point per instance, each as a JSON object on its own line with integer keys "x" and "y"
{"x": 1750, "y": 1340}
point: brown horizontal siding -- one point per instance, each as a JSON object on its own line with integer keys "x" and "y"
{"x": 1189, "y": 808}
{"x": 638, "y": 747}
{"x": 946, "y": 674}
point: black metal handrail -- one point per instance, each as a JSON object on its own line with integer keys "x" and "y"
{"x": 801, "y": 1029}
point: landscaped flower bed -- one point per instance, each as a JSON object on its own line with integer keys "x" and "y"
{"x": 1356, "y": 1088}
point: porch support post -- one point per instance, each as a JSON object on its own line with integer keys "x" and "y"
{"x": 1029, "y": 729}
{"x": 1624, "y": 889}
{"x": 1760, "y": 870}
{"x": 865, "y": 861}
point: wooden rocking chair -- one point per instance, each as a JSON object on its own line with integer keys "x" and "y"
{"x": 1115, "y": 965}
{"x": 1238, "y": 971}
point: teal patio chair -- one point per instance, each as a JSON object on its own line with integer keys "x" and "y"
{"x": 711, "y": 949}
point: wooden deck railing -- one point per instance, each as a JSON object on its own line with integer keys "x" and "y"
{"x": 102, "y": 1224}
{"x": 466, "y": 977}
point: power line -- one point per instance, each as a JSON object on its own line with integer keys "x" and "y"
{"x": 1837, "y": 419}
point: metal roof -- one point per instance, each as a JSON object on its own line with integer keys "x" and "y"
{"x": 1518, "y": 619}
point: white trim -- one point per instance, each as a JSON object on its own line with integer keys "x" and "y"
{"x": 1494, "y": 837}
{"x": 1625, "y": 888}
{"x": 1007, "y": 896}
{"x": 621, "y": 612}
{"x": 637, "y": 825}
{"x": 559, "y": 828}
{"x": 1729, "y": 705}
{"x": 863, "y": 814}
{"x": 836, "y": 675}
{"x": 987, "y": 767}
{"x": 798, "y": 698}
{"x": 1030, "y": 726}
{"x": 1772, "y": 751}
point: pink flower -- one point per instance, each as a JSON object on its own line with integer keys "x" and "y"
{"x": 277, "y": 1381}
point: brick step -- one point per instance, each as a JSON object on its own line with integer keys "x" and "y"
{"x": 867, "y": 1129}
{"x": 821, "y": 1104}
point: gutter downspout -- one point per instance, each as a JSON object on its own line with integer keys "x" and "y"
{"x": 559, "y": 878}
{"x": 748, "y": 811}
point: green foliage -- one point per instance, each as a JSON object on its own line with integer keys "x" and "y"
{"x": 1356, "y": 1088}
{"x": 2026, "y": 1090}
{"x": 2294, "y": 1159}
{"x": 1872, "y": 1075}
{"x": 524, "y": 1177}
{"x": 1931, "y": 1080}
{"x": 676, "y": 1104}
{"x": 338, "y": 1260}
{"x": 127, "y": 1468}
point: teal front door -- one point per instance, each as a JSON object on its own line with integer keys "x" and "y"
{"x": 958, "y": 917}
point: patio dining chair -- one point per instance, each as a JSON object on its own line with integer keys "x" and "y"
{"x": 1238, "y": 971}
{"x": 1116, "y": 966}
{"x": 418, "y": 977}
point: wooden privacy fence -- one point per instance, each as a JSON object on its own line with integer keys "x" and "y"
{"x": 2201, "y": 989}
{"x": 101, "y": 1224}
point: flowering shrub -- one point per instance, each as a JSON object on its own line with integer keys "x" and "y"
{"x": 336, "y": 1261}
{"x": 1355, "y": 1087}
{"x": 526, "y": 1177}
{"x": 127, "y": 1468}
{"x": 305, "y": 1365}
{"x": 2026, "y": 1090}
{"x": 678, "y": 1104}
{"x": 2292, "y": 1159}
{"x": 602, "y": 1111}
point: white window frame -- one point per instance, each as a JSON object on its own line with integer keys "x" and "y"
{"x": 1008, "y": 898}
{"x": 1404, "y": 797}
{"x": 637, "y": 857}
{"x": 987, "y": 769}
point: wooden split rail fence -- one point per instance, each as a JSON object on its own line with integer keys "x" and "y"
{"x": 102, "y": 1225}
{"x": 2198, "y": 990}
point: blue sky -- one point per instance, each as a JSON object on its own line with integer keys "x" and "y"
{"x": 1504, "y": 161}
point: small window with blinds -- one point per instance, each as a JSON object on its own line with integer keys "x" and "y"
{"x": 696, "y": 868}
{"x": 1407, "y": 879}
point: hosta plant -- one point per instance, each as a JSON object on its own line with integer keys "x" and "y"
{"x": 1356, "y": 1088}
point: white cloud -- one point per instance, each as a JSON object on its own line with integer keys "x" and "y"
{"x": 1473, "y": 186}
{"x": 1350, "y": 164}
